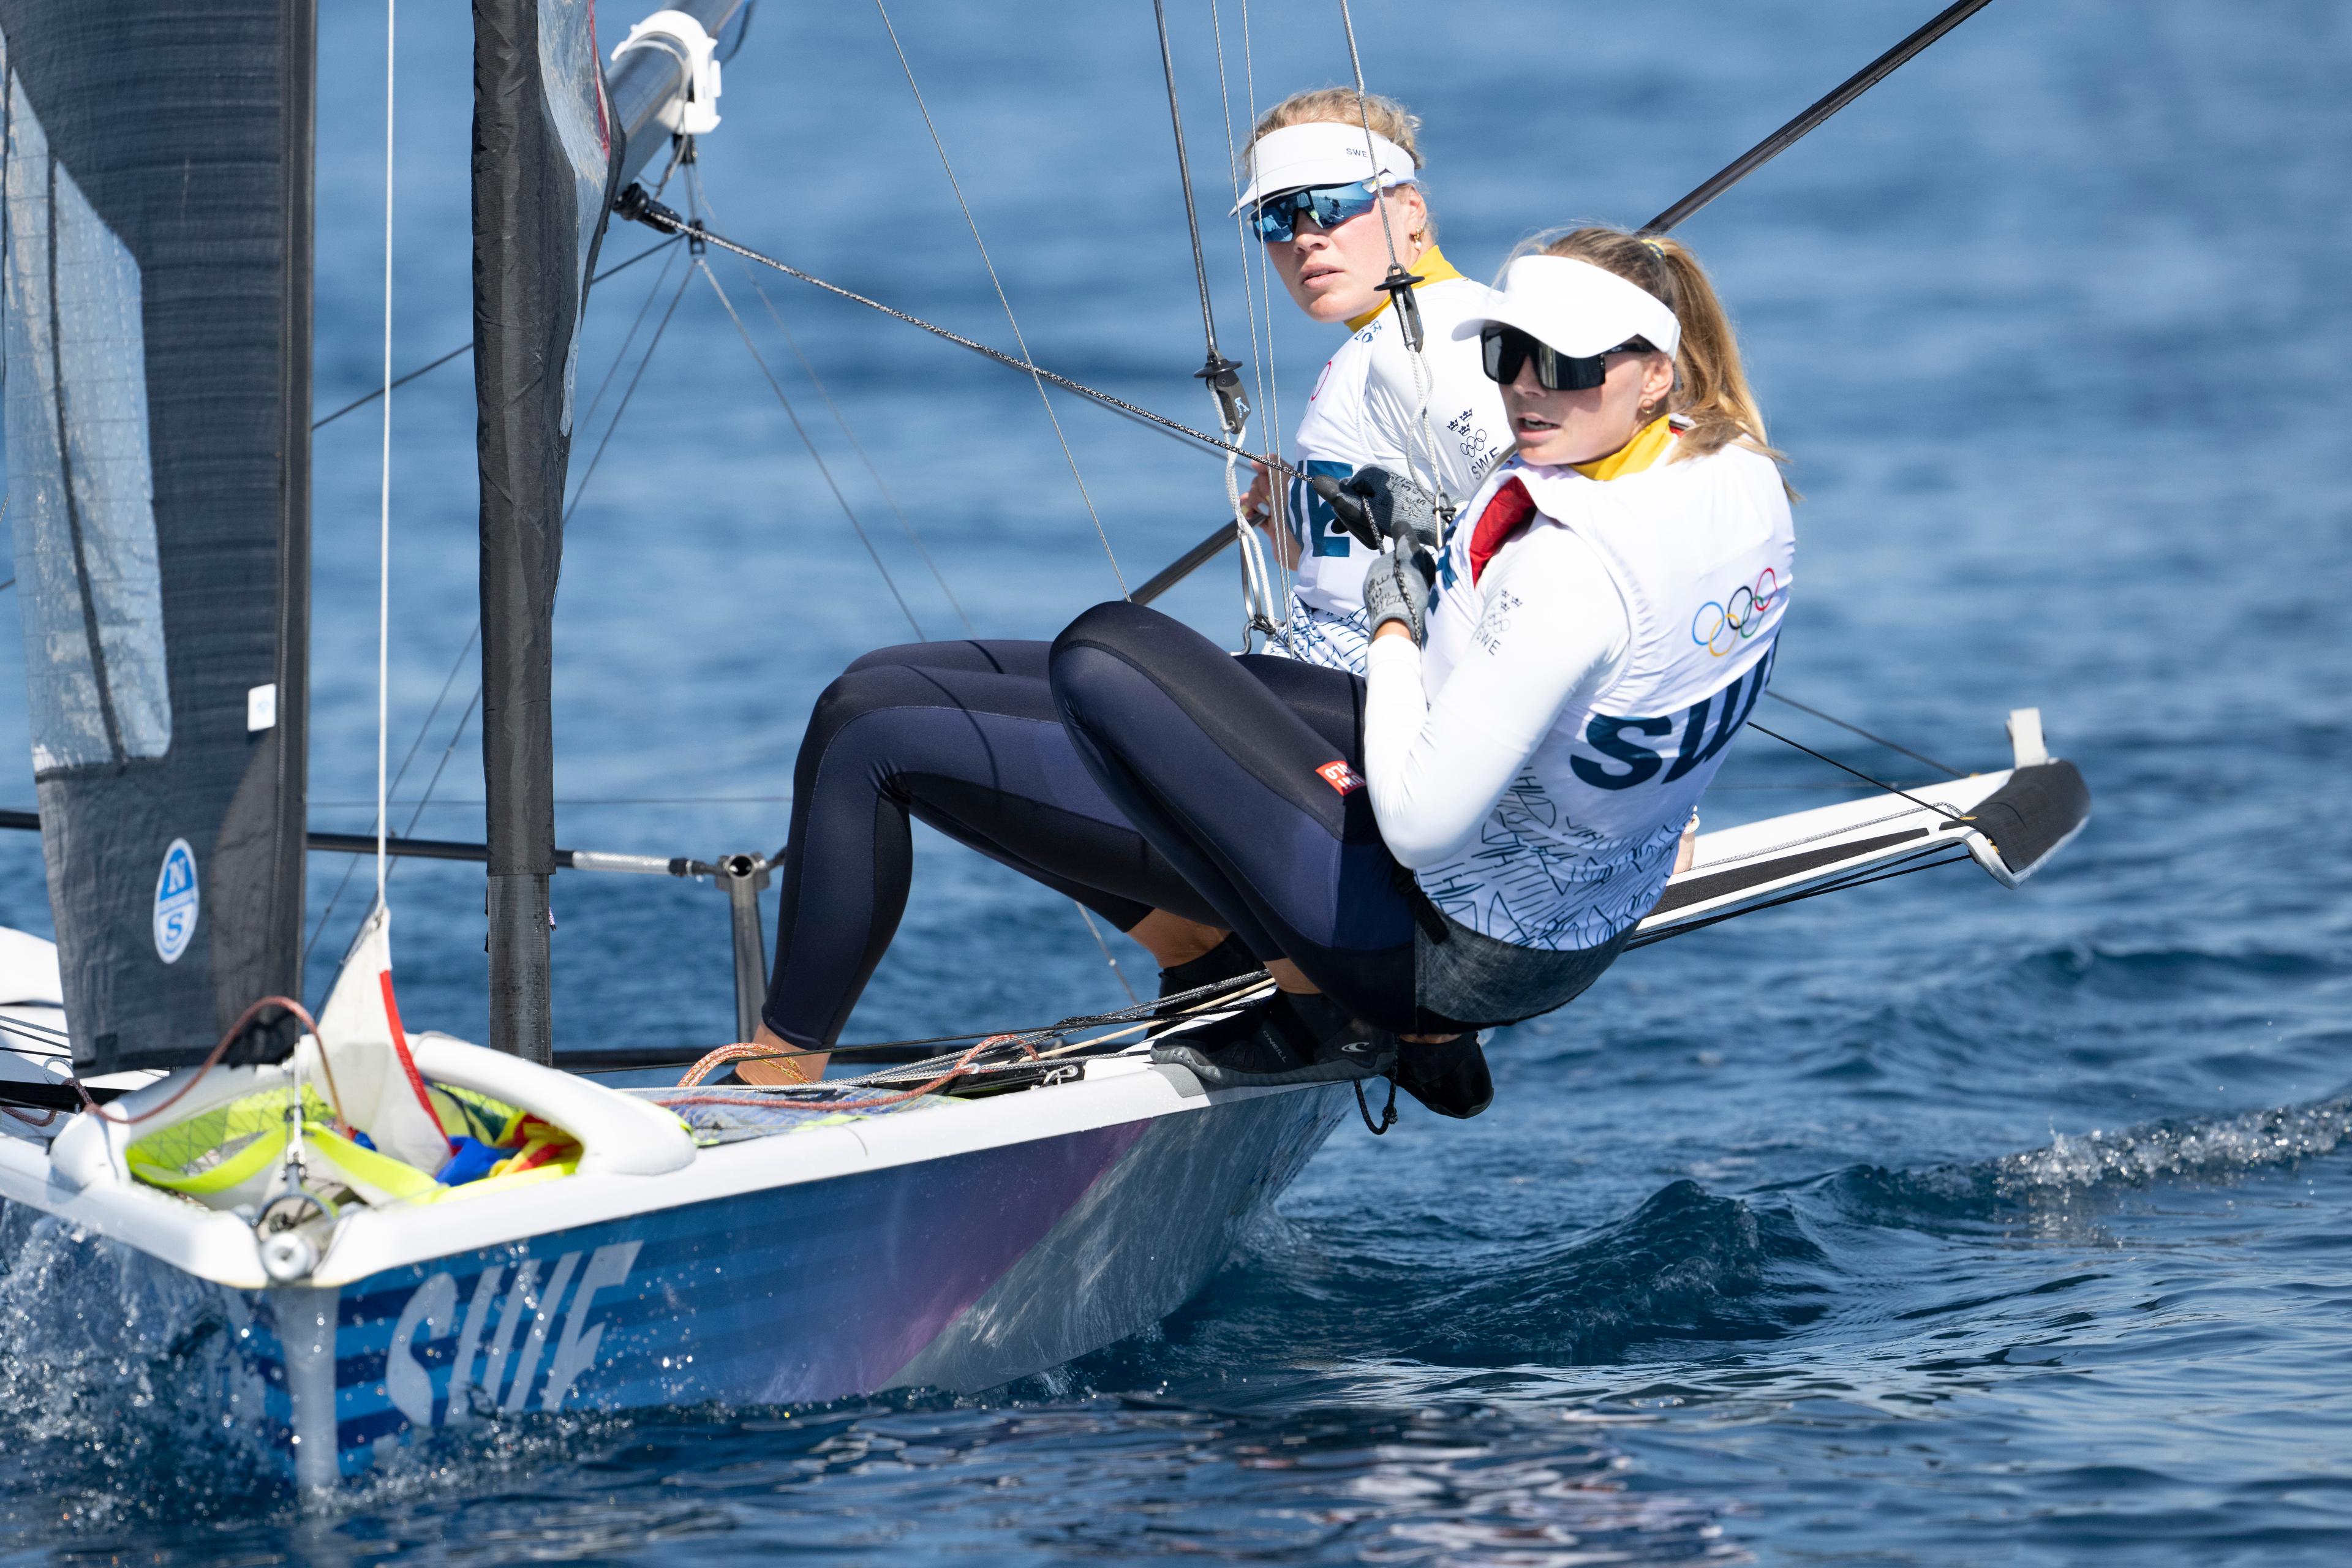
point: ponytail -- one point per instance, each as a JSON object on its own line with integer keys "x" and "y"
{"x": 1711, "y": 397}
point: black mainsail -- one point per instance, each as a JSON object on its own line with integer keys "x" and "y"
{"x": 157, "y": 330}
{"x": 545, "y": 163}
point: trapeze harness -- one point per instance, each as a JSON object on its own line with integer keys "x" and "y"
{"x": 1149, "y": 768}
{"x": 1365, "y": 410}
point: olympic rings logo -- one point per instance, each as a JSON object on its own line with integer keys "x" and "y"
{"x": 1719, "y": 628}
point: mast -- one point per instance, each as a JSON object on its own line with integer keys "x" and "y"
{"x": 548, "y": 151}
{"x": 543, "y": 165}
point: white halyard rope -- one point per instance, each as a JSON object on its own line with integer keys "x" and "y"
{"x": 384, "y": 519}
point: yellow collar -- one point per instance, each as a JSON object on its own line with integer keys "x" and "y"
{"x": 1432, "y": 268}
{"x": 1648, "y": 444}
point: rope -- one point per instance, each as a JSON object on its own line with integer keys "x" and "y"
{"x": 963, "y": 1065}
{"x": 815, "y": 456}
{"x": 1200, "y": 999}
{"x": 906, "y": 522}
{"x": 1881, "y": 783}
{"x": 236, "y": 1031}
{"x": 637, "y": 206}
{"x": 753, "y": 279}
{"x": 1216, "y": 364}
{"x": 621, "y": 356}
{"x": 383, "y": 526}
{"x": 1398, "y": 284}
{"x": 1203, "y": 999}
{"x": 1022, "y": 343}
{"x": 1266, "y": 595}
{"x": 459, "y": 664}
{"x": 1881, "y": 740}
{"x": 1218, "y": 372}
{"x": 694, "y": 177}
{"x": 1262, "y": 370}
{"x": 425, "y": 800}
{"x": 466, "y": 348}
{"x": 628, "y": 393}
{"x": 40, "y": 1034}
{"x": 1094, "y": 931}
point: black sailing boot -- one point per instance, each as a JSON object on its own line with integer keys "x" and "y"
{"x": 1229, "y": 960}
{"x": 1296, "y": 1037}
{"x": 1215, "y": 1022}
{"x": 1449, "y": 1077}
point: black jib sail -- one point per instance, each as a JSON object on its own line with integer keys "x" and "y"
{"x": 545, "y": 161}
{"x": 158, "y": 405}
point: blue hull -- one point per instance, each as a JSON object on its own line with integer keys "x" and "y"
{"x": 958, "y": 1272}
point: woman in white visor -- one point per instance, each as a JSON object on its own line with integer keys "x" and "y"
{"x": 1329, "y": 203}
{"x": 1318, "y": 192}
{"x": 1547, "y": 696}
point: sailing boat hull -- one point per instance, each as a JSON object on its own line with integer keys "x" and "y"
{"x": 959, "y": 1271}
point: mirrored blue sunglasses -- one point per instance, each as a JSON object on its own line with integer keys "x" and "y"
{"x": 1276, "y": 216}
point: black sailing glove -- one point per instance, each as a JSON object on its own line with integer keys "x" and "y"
{"x": 1375, "y": 503}
{"x": 1396, "y": 588}
{"x": 1396, "y": 507}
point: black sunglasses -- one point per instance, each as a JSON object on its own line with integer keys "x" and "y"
{"x": 1505, "y": 349}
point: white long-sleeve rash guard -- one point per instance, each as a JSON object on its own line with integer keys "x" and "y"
{"x": 1554, "y": 630}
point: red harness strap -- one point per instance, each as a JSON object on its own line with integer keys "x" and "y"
{"x": 1505, "y": 517}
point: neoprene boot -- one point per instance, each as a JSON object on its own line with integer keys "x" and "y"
{"x": 1450, "y": 1077}
{"x": 1292, "y": 1037}
{"x": 1229, "y": 960}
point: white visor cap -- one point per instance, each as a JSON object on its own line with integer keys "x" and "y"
{"x": 1321, "y": 154}
{"x": 1576, "y": 309}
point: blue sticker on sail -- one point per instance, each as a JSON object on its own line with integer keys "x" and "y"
{"x": 175, "y": 902}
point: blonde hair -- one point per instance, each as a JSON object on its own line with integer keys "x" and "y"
{"x": 1711, "y": 394}
{"x": 1340, "y": 106}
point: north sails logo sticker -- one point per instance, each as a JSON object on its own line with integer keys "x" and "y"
{"x": 175, "y": 902}
{"x": 1341, "y": 777}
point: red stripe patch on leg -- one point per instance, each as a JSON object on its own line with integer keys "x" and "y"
{"x": 1341, "y": 777}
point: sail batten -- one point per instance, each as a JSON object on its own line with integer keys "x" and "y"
{"x": 157, "y": 329}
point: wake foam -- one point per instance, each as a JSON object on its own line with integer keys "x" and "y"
{"x": 2081, "y": 1166}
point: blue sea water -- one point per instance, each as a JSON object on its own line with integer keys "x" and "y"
{"x": 1928, "y": 1224}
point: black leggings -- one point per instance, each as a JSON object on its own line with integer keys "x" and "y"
{"x": 965, "y": 737}
{"x": 1262, "y": 809}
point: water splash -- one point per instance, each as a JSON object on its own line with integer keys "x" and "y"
{"x": 2091, "y": 1166}
{"x": 127, "y": 1399}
